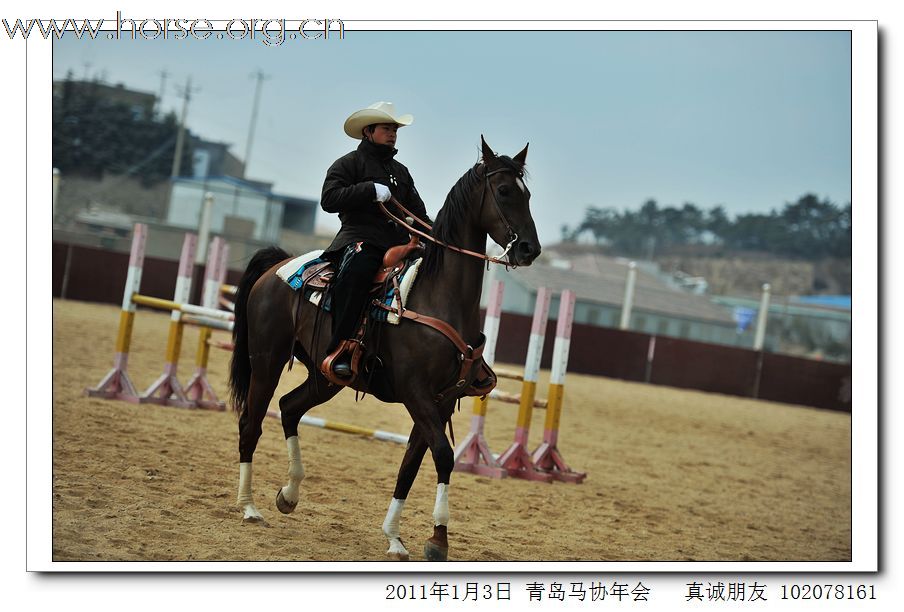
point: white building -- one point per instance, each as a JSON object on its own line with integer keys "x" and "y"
{"x": 241, "y": 209}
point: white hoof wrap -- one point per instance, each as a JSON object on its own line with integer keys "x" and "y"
{"x": 441, "y": 509}
{"x": 392, "y": 529}
{"x": 246, "y": 500}
{"x": 296, "y": 471}
{"x": 397, "y": 549}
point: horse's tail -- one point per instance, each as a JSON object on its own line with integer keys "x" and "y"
{"x": 240, "y": 366}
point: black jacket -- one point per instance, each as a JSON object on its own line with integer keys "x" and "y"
{"x": 349, "y": 191}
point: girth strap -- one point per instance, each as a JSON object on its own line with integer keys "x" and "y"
{"x": 467, "y": 354}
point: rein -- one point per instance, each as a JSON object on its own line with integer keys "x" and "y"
{"x": 512, "y": 234}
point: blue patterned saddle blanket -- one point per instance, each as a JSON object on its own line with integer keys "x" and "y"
{"x": 312, "y": 273}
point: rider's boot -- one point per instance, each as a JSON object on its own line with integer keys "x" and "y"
{"x": 337, "y": 367}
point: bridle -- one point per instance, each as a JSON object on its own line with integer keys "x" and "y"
{"x": 512, "y": 234}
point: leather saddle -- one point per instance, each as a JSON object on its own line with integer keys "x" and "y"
{"x": 475, "y": 376}
{"x": 319, "y": 276}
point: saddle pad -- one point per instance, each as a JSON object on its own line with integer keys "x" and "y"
{"x": 404, "y": 289}
{"x": 291, "y": 271}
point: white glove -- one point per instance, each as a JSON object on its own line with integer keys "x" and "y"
{"x": 383, "y": 192}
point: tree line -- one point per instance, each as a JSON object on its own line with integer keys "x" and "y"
{"x": 93, "y": 135}
{"x": 809, "y": 228}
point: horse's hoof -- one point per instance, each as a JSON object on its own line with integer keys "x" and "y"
{"x": 255, "y": 520}
{"x": 284, "y": 506}
{"x": 397, "y": 556}
{"x": 432, "y": 552}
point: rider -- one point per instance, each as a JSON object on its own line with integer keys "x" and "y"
{"x": 354, "y": 184}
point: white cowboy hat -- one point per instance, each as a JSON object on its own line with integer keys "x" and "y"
{"x": 379, "y": 112}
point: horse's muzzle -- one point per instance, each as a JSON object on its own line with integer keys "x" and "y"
{"x": 525, "y": 252}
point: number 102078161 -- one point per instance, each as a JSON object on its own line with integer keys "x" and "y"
{"x": 828, "y": 591}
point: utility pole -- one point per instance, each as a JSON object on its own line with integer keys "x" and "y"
{"x": 163, "y": 74}
{"x": 260, "y": 76}
{"x": 180, "y": 137}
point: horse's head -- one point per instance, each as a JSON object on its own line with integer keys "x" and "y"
{"x": 505, "y": 210}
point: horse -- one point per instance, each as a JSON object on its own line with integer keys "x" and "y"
{"x": 271, "y": 325}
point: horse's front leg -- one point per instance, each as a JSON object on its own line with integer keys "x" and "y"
{"x": 411, "y": 463}
{"x": 437, "y": 547}
{"x": 430, "y": 419}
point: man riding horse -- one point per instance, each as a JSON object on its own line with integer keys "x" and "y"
{"x": 354, "y": 185}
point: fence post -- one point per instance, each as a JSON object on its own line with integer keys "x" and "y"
{"x": 167, "y": 390}
{"x": 199, "y": 390}
{"x": 116, "y": 384}
{"x": 473, "y": 454}
{"x": 547, "y": 456}
{"x": 516, "y": 459}
{"x": 628, "y": 301}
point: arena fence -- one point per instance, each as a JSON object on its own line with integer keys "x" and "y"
{"x": 596, "y": 351}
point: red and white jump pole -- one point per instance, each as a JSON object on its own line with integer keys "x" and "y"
{"x": 116, "y": 384}
{"x": 517, "y": 460}
{"x": 473, "y": 454}
{"x": 547, "y": 456}
{"x": 167, "y": 390}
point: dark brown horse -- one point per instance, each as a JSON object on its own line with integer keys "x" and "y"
{"x": 417, "y": 361}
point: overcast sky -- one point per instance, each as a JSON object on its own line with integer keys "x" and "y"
{"x": 748, "y": 120}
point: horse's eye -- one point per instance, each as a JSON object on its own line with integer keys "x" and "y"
{"x": 503, "y": 190}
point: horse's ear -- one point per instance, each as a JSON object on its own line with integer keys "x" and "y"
{"x": 486, "y": 150}
{"x": 522, "y": 156}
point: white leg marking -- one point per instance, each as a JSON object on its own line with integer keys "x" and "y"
{"x": 391, "y": 528}
{"x": 296, "y": 470}
{"x": 441, "y": 508}
{"x": 246, "y": 501}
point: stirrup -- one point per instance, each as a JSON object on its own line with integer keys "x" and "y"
{"x": 346, "y": 347}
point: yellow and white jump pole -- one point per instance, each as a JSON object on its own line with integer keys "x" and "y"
{"x": 376, "y": 434}
{"x": 547, "y": 456}
{"x": 516, "y": 459}
{"x": 473, "y": 454}
{"x": 199, "y": 390}
{"x": 167, "y": 390}
{"x": 116, "y": 384}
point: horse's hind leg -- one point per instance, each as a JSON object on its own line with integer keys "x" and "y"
{"x": 264, "y": 378}
{"x": 411, "y": 463}
{"x": 292, "y": 407}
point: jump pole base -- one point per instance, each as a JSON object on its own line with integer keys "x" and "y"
{"x": 116, "y": 384}
{"x": 518, "y": 463}
{"x": 200, "y": 394}
{"x": 548, "y": 459}
{"x": 473, "y": 455}
{"x": 166, "y": 391}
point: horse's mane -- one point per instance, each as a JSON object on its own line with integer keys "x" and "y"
{"x": 454, "y": 212}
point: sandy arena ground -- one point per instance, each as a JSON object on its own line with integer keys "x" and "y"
{"x": 672, "y": 475}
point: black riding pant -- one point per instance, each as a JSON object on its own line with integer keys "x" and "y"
{"x": 351, "y": 289}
